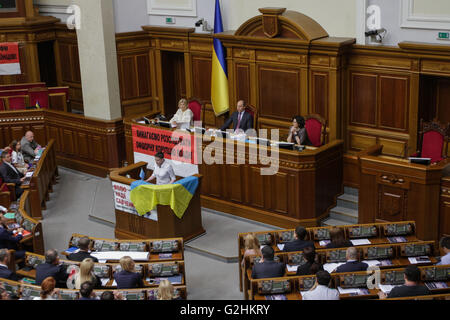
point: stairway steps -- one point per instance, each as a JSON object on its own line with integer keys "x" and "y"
{"x": 344, "y": 214}
{"x": 333, "y": 222}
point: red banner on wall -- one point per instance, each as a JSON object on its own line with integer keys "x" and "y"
{"x": 9, "y": 58}
{"x": 175, "y": 145}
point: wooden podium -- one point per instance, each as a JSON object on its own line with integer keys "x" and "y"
{"x": 392, "y": 189}
{"x": 132, "y": 226}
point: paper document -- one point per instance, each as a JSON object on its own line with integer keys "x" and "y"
{"x": 436, "y": 285}
{"x": 116, "y": 255}
{"x": 280, "y": 246}
{"x": 372, "y": 263}
{"x": 105, "y": 281}
{"x": 386, "y": 288}
{"x": 349, "y": 290}
{"x": 330, "y": 267}
{"x": 323, "y": 243}
{"x": 291, "y": 268}
{"x": 415, "y": 260}
{"x": 29, "y": 174}
{"x": 360, "y": 242}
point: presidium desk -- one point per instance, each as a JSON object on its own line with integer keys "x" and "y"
{"x": 300, "y": 193}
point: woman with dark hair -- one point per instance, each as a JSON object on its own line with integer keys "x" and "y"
{"x": 297, "y": 133}
{"x": 17, "y": 159}
{"x": 338, "y": 240}
{"x": 311, "y": 266}
{"x": 163, "y": 171}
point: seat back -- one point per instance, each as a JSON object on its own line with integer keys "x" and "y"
{"x": 434, "y": 138}
{"x": 17, "y": 102}
{"x": 39, "y": 96}
{"x": 254, "y": 112}
{"x": 196, "y": 108}
{"x": 316, "y": 129}
{"x": 2, "y": 104}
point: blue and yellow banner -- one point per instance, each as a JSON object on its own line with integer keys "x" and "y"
{"x": 145, "y": 197}
{"x": 219, "y": 80}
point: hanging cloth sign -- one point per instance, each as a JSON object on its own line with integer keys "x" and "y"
{"x": 9, "y": 58}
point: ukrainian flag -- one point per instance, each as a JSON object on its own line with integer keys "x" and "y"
{"x": 178, "y": 195}
{"x": 219, "y": 80}
{"x": 37, "y": 104}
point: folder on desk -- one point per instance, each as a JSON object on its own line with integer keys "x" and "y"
{"x": 9, "y": 215}
{"x": 425, "y": 161}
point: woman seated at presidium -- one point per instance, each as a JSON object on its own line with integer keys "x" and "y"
{"x": 297, "y": 133}
{"x": 163, "y": 171}
{"x": 184, "y": 118}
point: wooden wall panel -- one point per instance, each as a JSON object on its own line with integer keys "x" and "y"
{"x": 319, "y": 93}
{"x": 83, "y": 145}
{"x": 363, "y": 99}
{"x": 201, "y": 75}
{"x": 143, "y": 67}
{"x": 279, "y": 92}
{"x": 242, "y": 81}
{"x": 280, "y": 193}
{"x": 444, "y": 211}
{"x": 128, "y": 77}
{"x": 98, "y": 145}
{"x": 256, "y": 195}
{"x": 393, "y": 110}
{"x": 68, "y": 142}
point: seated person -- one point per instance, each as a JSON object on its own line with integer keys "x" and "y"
{"x": 10, "y": 174}
{"x": 252, "y": 247}
{"x": 128, "y": 278}
{"x": 410, "y": 288}
{"x": 445, "y": 245}
{"x": 184, "y": 118}
{"x": 163, "y": 171}
{"x": 30, "y": 148}
{"x": 87, "y": 291}
{"x": 5, "y": 273}
{"x": 267, "y": 268}
{"x": 48, "y": 291}
{"x": 352, "y": 263}
{"x": 166, "y": 291}
{"x": 311, "y": 266}
{"x": 321, "y": 291}
{"x": 299, "y": 242}
{"x": 111, "y": 295}
{"x": 297, "y": 133}
{"x": 9, "y": 239}
{"x": 242, "y": 121}
{"x": 52, "y": 268}
{"x": 4, "y": 295}
{"x": 338, "y": 240}
{"x": 83, "y": 245}
{"x": 17, "y": 157}
{"x": 86, "y": 273}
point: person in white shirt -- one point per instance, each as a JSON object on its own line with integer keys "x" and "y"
{"x": 321, "y": 291}
{"x": 184, "y": 118}
{"x": 18, "y": 160}
{"x": 445, "y": 245}
{"x": 163, "y": 171}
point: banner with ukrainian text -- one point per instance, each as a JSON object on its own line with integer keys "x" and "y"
{"x": 178, "y": 148}
{"x": 219, "y": 78}
{"x": 9, "y": 58}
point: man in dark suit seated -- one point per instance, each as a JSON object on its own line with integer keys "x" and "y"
{"x": 411, "y": 287}
{"x": 352, "y": 264}
{"x": 83, "y": 245}
{"x": 242, "y": 121}
{"x": 299, "y": 243}
{"x": 5, "y": 273}
{"x": 10, "y": 174}
{"x": 10, "y": 239}
{"x": 268, "y": 268}
{"x": 52, "y": 268}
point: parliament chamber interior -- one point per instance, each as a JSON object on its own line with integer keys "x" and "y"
{"x": 224, "y": 150}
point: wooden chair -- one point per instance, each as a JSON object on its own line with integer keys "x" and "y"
{"x": 197, "y": 109}
{"x": 19, "y": 102}
{"x": 317, "y": 130}
{"x": 59, "y": 98}
{"x": 433, "y": 140}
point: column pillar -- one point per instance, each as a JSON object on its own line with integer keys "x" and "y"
{"x": 98, "y": 59}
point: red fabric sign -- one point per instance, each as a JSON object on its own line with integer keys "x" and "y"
{"x": 149, "y": 141}
{"x": 9, "y": 52}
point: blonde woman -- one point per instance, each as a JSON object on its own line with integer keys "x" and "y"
{"x": 84, "y": 273}
{"x": 184, "y": 118}
{"x": 165, "y": 290}
{"x": 251, "y": 246}
{"x": 48, "y": 290}
{"x": 128, "y": 278}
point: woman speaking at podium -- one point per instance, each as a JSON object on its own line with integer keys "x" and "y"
{"x": 163, "y": 171}
{"x": 184, "y": 117}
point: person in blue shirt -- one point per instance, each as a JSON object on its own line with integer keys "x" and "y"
{"x": 445, "y": 245}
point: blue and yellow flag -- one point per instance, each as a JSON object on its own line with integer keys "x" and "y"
{"x": 37, "y": 104}
{"x": 219, "y": 79}
{"x": 178, "y": 195}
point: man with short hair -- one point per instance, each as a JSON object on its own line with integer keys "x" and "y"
{"x": 445, "y": 245}
{"x": 411, "y": 287}
{"x": 83, "y": 253}
{"x": 10, "y": 239}
{"x": 241, "y": 120}
{"x": 30, "y": 148}
{"x": 299, "y": 243}
{"x": 5, "y": 273}
{"x": 352, "y": 264}
{"x": 321, "y": 291}
{"x": 52, "y": 268}
{"x": 10, "y": 174}
{"x": 267, "y": 268}
{"x": 86, "y": 291}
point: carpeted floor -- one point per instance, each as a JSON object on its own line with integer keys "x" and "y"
{"x": 82, "y": 203}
